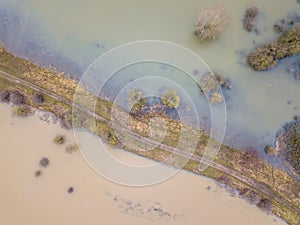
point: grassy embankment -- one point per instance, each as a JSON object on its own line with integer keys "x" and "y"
{"x": 275, "y": 181}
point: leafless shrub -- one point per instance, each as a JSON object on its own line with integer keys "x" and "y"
{"x": 211, "y": 23}
{"x": 249, "y": 18}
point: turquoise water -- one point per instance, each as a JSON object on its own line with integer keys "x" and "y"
{"x": 72, "y": 34}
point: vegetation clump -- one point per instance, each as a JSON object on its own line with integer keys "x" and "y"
{"x": 211, "y": 23}
{"x": 22, "y": 111}
{"x": 265, "y": 205}
{"x": 38, "y": 98}
{"x": 69, "y": 119}
{"x": 288, "y": 144}
{"x": 284, "y": 24}
{"x": 281, "y": 26}
{"x": 14, "y": 97}
{"x": 136, "y": 101}
{"x": 269, "y": 149}
{"x": 249, "y": 18}
{"x": 44, "y": 162}
{"x": 38, "y": 173}
{"x": 59, "y": 139}
{"x": 113, "y": 139}
{"x": 210, "y": 84}
{"x": 70, "y": 190}
{"x": 170, "y": 99}
{"x": 5, "y": 96}
{"x": 267, "y": 55}
{"x": 216, "y": 98}
{"x": 294, "y": 69}
{"x": 72, "y": 148}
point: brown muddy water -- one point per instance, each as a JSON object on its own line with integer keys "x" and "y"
{"x": 26, "y": 199}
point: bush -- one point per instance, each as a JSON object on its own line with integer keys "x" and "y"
{"x": 5, "y": 96}
{"x": 44, "y": 162}
{"x": 72, "y": 148}
{"x": 170, "y": 99}
{"x": 216, "y": 98}
{"x": 249, "y": 18}
{"x": 38, "y": 98}
{"x": 265, "y": 204}
{"x": 18, "y": 98}
{"x": 266, "y": 56}
{"x": 112, "y": 138}
{"x": 269, "y": 149}
{"x": 22, "y": 111}
{"x": 136, "y": 101}
{"x": 208, "y": 83}
{"x": 211, "y": 23}
{"x": 70, "y": 120}
{"x": 59, "y": 140}
{"x": 14, "y": 97}
{"x": 288, "y": 144}
{"x": 38, "y": 173}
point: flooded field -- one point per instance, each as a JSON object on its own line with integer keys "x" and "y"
{"x": 26, "y": 199}
{"x": 72, "y": 35}
{"x": 69, "y": 36}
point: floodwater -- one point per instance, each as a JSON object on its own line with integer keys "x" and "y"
{"x": 26, "y": 199}
{"x": 71, "y": 35}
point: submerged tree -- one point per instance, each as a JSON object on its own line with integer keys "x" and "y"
{"x": 136, "y": 101}
{"x": 211, "y": 23}
{"x": 22, "y": 111}
{"x": 170, "y": 99}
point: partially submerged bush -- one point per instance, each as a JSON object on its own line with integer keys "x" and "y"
{"x": 70, "y": 190}
{"x": 263, "y": 57}
{"x": 69, "y": 120}
{"x": 266, "y": 56}
{"x": 281, "y": 25}
{"x": 5, "y": 96}
{"x": 208, "y": 83}
{"x": 59, "y": 139}
{"x": 170, "y": 99}
{"x": 216, "y": 98}
{"x": 211, "y": 23}
{"x": 14, "y": 97}
{"x": 265, "y": 205}
{"x": 249, "y": 18}
{"x": 72, "y": 148}
{"x": 38, "y": 98}
{"x": 136, "y": 101}
{"x": 18, "y": 98}
{"x": 44, "y": 162}
{"x": 112, "y": 139}
{"x": 22, "y": 111}
{"x": 288, "y": 144}
{"x": 284, "y": 24}
{"x": 38, "y": 173}
{"x": 269, "y": 149}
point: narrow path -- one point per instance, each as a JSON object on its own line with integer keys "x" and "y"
{"x": 252, "y": 183}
